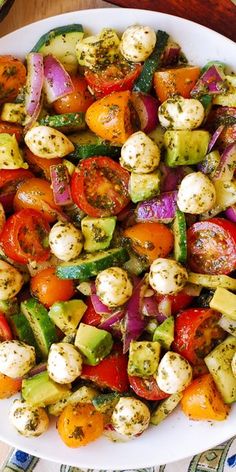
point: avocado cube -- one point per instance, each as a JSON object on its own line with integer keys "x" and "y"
{"x": 184, "y": 147}
{"x": 93, "y": 343}
{"x": 164, "y": 333}
{"x": 97, "y": 232}
{"x": 40, "y": 390}
{"x": 143, "y": 358}
{"x": 67, "y": 315}
{"x": 14, "y": 113}
{"x": 144, "y": 186}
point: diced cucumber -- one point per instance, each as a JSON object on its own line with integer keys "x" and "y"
{"x": 105, "y": 403}
{"x": 81, "y": 395}
{"x": 97, "y": 232}
{"x": 164, "y": 333}
{"x": 180, "y": 237}
{"x": 13, "y": 113}
{"x": 136, "y": 264}
{"x": 219, "y": 364}
{"x": 89, "y": 265}
{"x": 165, "y": 408}
{"x": 228, "y": 325}
{"x": 152, "y": 63}
{"x": 66, "y": 123}
{"x": 87, "y": 144}
{"x": 98, "y": 50}
{"x": 61, "y": 42}
{"x": 224, "y": 302}
{"x": 41, "y": 325}
{"x": 227, "y": 99}
{"x": 212, "y": 281}
{"x": 144, "y": 186}
{"x": 40, "y": 390}
{"x": 23, "y": 331}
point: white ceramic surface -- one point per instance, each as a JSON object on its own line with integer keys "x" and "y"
{"x": 177, "y": 437}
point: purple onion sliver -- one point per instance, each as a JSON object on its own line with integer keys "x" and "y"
{"x": 34, "y": 83}
{"x": 98, "y": 306}
{"x": 112, "y": 319}
{"x": 212, "y": 81}
{"x": 61, "y": 184}
{"x": 37, "y": 369}
{"x": 146, "y": 107}
{"x": 171, "y": 54}
{"x": 215, "y": 137}
{"x": 134, "y": 323}
{"x": 225, "y": 170}
{"x": 150, "y": 306}
{"x": 230, "y": 213}
{"x": 160, "y": 209}
{"x": 57, "y": 82}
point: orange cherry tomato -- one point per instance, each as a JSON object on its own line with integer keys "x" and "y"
{"x": 39, "y": 164}
{"x": 176, "y": 81}
{"x": 152, "y": 240}
{"x": 12, "y": 77}
{"x": 11, "y": 128}
{"x": 37, "y": 194}
{"x": 80, "y": 424}
{"x": 9, "y": 386}
{"x": 48, "y": 288}
{"x": 110, "y": 117}
{"x": 202, "y": 401}
{"x": 77, "y": 101}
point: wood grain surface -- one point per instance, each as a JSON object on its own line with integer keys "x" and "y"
{"x": 219, "y": 15}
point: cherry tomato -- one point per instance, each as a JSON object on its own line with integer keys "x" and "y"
{"x": 48, "y": 288}
{"x": 196, "y": 333}
{"x": 212, "y": 246}
{"x": 79, "y": 424}
{"x": 115, "y": 77}
{"x": 99, "y": 186}
{"x": 147, "y": 388}
{"x": 39, "y": 164}
{"x": 9, "y": 386}
{"x": 11, "y": 128}
{"x": 177, "y": 301}
{"x": 37, "y": 194}
{"x": 227, "y": 137}
{"x": 12, "y": 78}
{"x": 5, "y": 330}
{"x": 77, "y": 101}
{"x": 152, "y": 240}
{"x": 9, "y": 181}
{"x": 24, "y": 237}
{"x": 91, "y": 317}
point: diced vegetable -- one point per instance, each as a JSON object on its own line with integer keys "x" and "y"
{"x": 34, "y": 84}
{"x": 146, "y": 107}
{"x": 225, "y": 302}
{"x": 212, "y": 81}
{"x": 134, "y": 322}
{"x": 165, "y": 408}
{"x": 227, "y": 165}
{"x": 57, "y": 82}
{"x": 60, "y": 184}
{"x": 212, "y": 281}
{"x": 162, "y": 208}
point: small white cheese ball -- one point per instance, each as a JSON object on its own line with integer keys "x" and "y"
{"x": 181, "y": 113}
{"x": 48, "y": 142}
{"x": 29, "y": 421}
{"x": 16, "y": 358}
{"x": 174, "y": 373}
{"x": 140, "y": 154}
{"x": 233, "y": 364}
{"x": 113, "y": 287}
{"x": 64, "y": 363}
{"x": 167, "y": 276}
{"x": 130, "y": 416}
{"x": 137, "y": 43}
{"x": 196, "y": 194}
{"x": 66, "y": 241}
{"x": 11, "y": 281}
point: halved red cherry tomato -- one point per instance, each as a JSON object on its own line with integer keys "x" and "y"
{"x": 91, "y": 317}
{"x": 77, "y": 101}
{"x": 48, "y": 288}
{"x": 5, "y": 330}
{"x": 147, "y": 388}
{"x": 100, "y": 186}
{"x": 11, "y": 128}
{"x": 24, "y": 237}
{"x": 111, "y": 372}
{"x": 212, "y": 246}
{"x": 9, "y": 181}
{"x": 114, "y": 78}
{"x": 196, "y": 333}
{"x": 177, "y": 302}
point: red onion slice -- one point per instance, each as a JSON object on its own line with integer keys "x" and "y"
{"x": 171, "y": 54}
{"x": 150, "y": 306}
{"x": 134, "y": 322}
{"x": 146, "y": 107}
{"x": 37, "y": 369}
{"x": 34, "y": 83}
{"x": 114, "y": 318}
{"x": 171, "y": 178}
{"x": 225, "y": 170}
{"x": 60, "y": 184}
{"x": 98, "y": 306}
{"x": 215, "y": 137}
{"x": 160, "y": 209}
{"x": 211, "y": 82}
{"x": 230, "y": 213}
{"x": 57, "y": 82}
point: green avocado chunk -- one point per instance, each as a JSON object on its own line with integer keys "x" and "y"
{"x": 184, "y": 147}
{"x": 40, "y": 390}
{"x": 97, "y": 232}
{"x": 143, "y": 358}
{"x": 67, "y": 315}
{"x": 164, "y": 333}
{"x": 93, "y": 343}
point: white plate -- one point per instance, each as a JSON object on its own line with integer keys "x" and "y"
{"x": 177, "y": 437}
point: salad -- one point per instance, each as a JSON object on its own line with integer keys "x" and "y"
{"x": 117, "y": 234}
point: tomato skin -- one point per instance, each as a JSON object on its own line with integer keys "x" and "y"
{"x": 48, "y": 288}
{"x": 152, "y": 240}
{"x": 79, "y": 424}
{"x": 112, "y": 79}
{"x": 91, "y": 317}
{"x": 111, "y": 372}
{"x": 77, "y": 101}
{"x": 9, "y": 386}
{"x": 12, "y": 78}
{"x": 196, "y": 331}
{"x": 12, "y": 128}
{"x": 212, "y": 246}
{"x": 5, "y": 330}
{"x": 99, "y": 186}
{"x": 9, "y": 181}
{"x": 147, "y": 388}
{"x": 30, "y": 227}
{"x": 39, "y": 164}
{"x": 178, "y": 301}
{"x": 38, "y": 195}
{"x": 175, "y": 81}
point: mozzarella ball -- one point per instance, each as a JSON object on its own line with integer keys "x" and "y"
{"x": 64, "y": 363}
{"x": 167, "y": 276}
{"x": 29, "y": 421}
{"x": 196, "y": 194}
{"x": 11, "y": 281}
{"x": 130, "y": 416}
{"x": 174, "y": 373}
{"x": 233, "y": 364}
{"x": 140, "y": 154}
{"x": 113, "y": 287}
{"x": 66, "y": 241}
{"x": 181, "y": 113}
{"x": 16, "y": 358}
{"x": 48, "y": 142}
{"x": 137, "y": 43}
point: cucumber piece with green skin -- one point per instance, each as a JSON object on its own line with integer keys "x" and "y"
{"x": 89, "y": 265}
{"x": 165, "y": 408}
{"x": 180, "y": 237}
{"x": 23, "y": 331}
{"x": 136, "y": 264}
{"x": 106, "y": 402}
{"x": 87, "y": 144}
{"x": 152, "y": 63}
{"x": 218, "y": 362}
{"x": 81, "y": 395}
{"x": 212, "y": 281}
{"x": 66, "y": 123}
{"x": 61, "y": 43}
{"x": 97, "y": 232}
{"x": 41, "y": 325}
